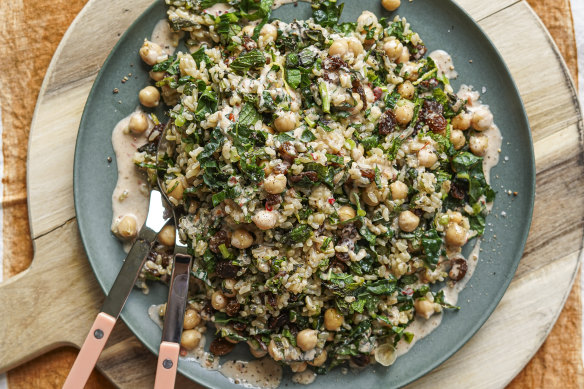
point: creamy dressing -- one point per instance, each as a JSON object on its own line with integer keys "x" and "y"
{"x": 163, "y": 35}
{"x": 444, "y": 63}
{"x": 451, "y": 292}
{"x": 218, "y": 9}
{"x": 153, "y": 314}
{"x": 421, "y": 328}
{"x": 307, "y": 377}
{"x": 130, "y": 196}
{"x": 261, "y": 373}
{"x": 491, "y": 158}
{"x": 279, "y": 3}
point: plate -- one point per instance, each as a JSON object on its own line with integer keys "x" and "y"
{"x": 442, "y": 25}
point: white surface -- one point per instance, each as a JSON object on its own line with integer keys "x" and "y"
{"x": 578, "y": 17}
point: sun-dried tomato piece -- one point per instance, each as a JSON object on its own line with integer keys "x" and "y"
{"x": 225, "y": 270}
{"x": 358, "y": 88}
{"x": 387, "y": 123}
{"x": 217, "y": 240}
{"x": 368, "y": 173}
{"x": 458, "y": 269}
{"x": 287, "y": 152}
{"x": 419, "y": 51}
{"x": 457, "y": 191}
{"x": 361, "y": 360}
{"x": 221, "y": 346}
{"x": 279, "y": 321}
{"x": 312, "y": 176}
{"x": 232, "y": 307}
{"x": 273, "y": 199}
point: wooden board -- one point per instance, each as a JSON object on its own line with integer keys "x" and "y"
{"x": 60, "y": 278}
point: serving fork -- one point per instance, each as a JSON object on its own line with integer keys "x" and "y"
{"x": 177, "y": 299}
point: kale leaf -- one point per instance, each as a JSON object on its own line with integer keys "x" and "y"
{"x": 432, "y": 247}
{"x": 326, "y": 13}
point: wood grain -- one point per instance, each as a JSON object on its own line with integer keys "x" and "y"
{"x": 544, "y": 371}
{"x": 125, "y": 357}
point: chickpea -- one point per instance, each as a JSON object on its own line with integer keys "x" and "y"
{"x": 366, "y": 18}
{"x": 138, "y": 122}
{"x": 190, "y": 339}
{"x": 298, "y": 367}
{"x": 127, "y": 227}
{"x": 478, "y": 144}
{"x": 455, "y": 235}
{"x": 175, "y": 189}
{"x": 455, "y": 217}
{"x": 457, "y": 138}
{"x": 307, "y": 339}
{"x": 156, "y": 76}
{"x": 162, "y": 310}
{"x": 404, "y": 113}
{"x": 399, "y": 190}
{"x": 406, "y": 90}
{"x": 408, "y": 221}
{"x": 339, "y": 47}
{"x": 393, "y": 48}
{"x": 257, "y": 352}
{"x": 319, "y": 360}
{"x": 269, "y": 33}
{"x": 275, "y": 353}
{"x": 191, "y": 319}
{"x": 275, "y": 184}
{"x": 228, "y": 287}
{"x": 370, "y": 195}
{"x": 404, "y": 57}
{"x": 346, "y": 212}
{"x": 265, "y": 220}
{"x": 482, "y": 119}
{"x": 166, "y": 235}
{"x": 149, "y": 97}
{"x": 390, "y": 5}
{"x": 149, "y": 52}
{"x": 427, "y": 157}
{"x": 461, "y": 121}
{"x": 241, "y": 239}
{"x": 285, "y": 122}
{"x": 248, "y": 30}
{"x": 333, "y": 320}
{"x": 218, "y": 300}
{"x": 355, "y": 46}
{"x": 424, "y": 308}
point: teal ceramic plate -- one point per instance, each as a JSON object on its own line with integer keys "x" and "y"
{"x": 442, "y": 25}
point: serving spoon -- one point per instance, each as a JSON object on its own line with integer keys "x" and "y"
{"x": 177, "y": 297}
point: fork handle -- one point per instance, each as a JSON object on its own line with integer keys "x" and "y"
{"x": 90, "y": 351}
{"x": 167, "y": 364}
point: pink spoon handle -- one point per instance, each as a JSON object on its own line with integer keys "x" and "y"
{"x": 89, "y": 353}
{"x": 167, "y": 364}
